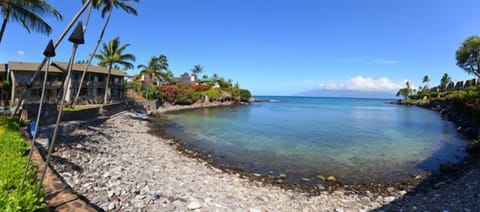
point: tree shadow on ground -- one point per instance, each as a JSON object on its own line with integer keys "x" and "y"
{"x": 458, "y": 186}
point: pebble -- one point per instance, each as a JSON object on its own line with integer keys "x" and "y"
{"x": 111, "y": 206}
{"x": 194, "y": 205}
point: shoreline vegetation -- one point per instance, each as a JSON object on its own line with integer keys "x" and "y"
{"x": 14, "y": 151}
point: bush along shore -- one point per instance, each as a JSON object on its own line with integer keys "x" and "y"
{"x": 13, "y": 157}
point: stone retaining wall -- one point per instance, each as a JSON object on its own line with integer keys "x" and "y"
{"x": 50, "y": 112}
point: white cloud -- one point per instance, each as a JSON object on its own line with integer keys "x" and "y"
{"x": 20, "y": 52}
{"x": 364, "y": 84}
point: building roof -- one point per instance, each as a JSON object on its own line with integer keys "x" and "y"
{"x": 27, "y": 66}
{"x": 3, "y": 67}
{"x": 58, "y": 67}
{"x": 184, "y": 79}
{"x": 91, "y": 69}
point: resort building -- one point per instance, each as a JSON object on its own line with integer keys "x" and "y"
{"x": 4, "y": 84}
{"x": 92, "y": 92}
{"x": 184, "y": 79}
{"x": 458, "y": 85}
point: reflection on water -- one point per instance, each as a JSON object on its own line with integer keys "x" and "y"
{"x": 356, "y": 140}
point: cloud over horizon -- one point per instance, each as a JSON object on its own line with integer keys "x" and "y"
{"x": 20, "y": 52}
{"x": 362, "y": 84}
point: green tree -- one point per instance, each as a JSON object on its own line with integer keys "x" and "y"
{"x": 154, "y": 68}
{"x": 29, "y": 13}
{"x": 112, "y": 54}
{"x": 197, "y": 69}
{"x": 405, "y": 92}
{"x": 468, "y": 55}
{"x": 445, "y": 80}
{"x": 426, "y": 80}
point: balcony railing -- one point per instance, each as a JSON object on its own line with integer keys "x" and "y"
{"x": 38, "y": 84}
{"x": 76, "y": 83}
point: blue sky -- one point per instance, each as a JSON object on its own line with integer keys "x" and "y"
{"x": 278, "y": 47}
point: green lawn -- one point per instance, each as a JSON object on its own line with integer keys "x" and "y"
{"x": 13, "y": 157}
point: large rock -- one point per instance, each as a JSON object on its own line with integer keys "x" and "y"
{"x": 473, "y": 148}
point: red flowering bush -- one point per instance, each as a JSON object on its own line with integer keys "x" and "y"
{"x": 169, "y": 92}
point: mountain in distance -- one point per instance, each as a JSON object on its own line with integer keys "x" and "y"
{"x": 347, "y": 93}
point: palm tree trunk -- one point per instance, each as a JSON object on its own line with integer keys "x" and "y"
{"x": 91, "y": 57}
{"x": 87, "y": 20}
{"x": 57, "y": 42}
{"x": 106, "y": 85}
{"x": 4, "y": 24}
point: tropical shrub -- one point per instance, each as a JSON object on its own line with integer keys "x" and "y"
{"x": 245, "y": 94}
{"x": 137, "y": 86}
{"x": 169, "y": 92}
{"x": 13, "y": 158}
{"x": 213, "y": 93}
{"x": 151, "y": 92}
{"x": 187, "y": 95}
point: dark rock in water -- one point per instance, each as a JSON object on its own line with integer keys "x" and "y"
{"x": 444, "y": 168}
{"x": 473, "y": 148}
{"x": 443, "y": 111}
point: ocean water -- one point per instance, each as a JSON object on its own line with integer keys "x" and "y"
{"x": 355, "y": 140}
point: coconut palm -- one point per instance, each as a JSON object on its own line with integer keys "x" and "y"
{"x": 108, "y": 6}
{"x": 426, "y": 80}
{"x": 29, "y": 13}
{"x": 445, "y": 80}
{"x": 113, "y": 54}
{"x": 197, "y": 69}
{"x": 155, "y": 68}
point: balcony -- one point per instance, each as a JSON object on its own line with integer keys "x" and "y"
{"x": 95, "y": 84}
{"x": 119, "y": 85}
{"x": 39, "y": 84}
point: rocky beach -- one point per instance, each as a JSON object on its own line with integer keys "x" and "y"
{"x": 118, "y": 165}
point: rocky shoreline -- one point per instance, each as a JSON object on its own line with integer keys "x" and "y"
{"x": 123, "y": 163}
{"x": 166, "y": 108}
{"x": 118, "y": 165}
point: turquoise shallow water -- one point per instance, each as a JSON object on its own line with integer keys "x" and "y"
{"x": 356, "y": 140}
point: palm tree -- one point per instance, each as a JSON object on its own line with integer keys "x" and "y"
{"x": 197, "y": 69}
{"x": 149, "y": 71}
{"x": 111, "y": 55}
{"x": 163, "y": 66}
{"x": 107, "y": 8}
{"x": 426, "y": 80}
{"x": 29, "y": 13}
{"x": 155, "y": 68}
{"x": 445, "y": 80}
